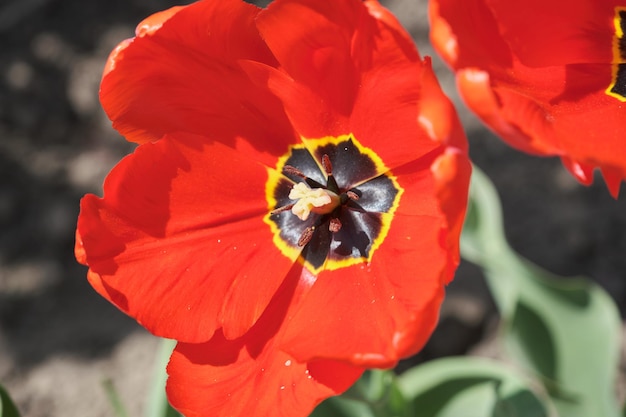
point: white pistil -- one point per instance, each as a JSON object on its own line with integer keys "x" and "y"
{"x": 316, "y": 200}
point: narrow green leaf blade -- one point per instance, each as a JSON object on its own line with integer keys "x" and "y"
{"x": 114, "y": 399}
{"x": 7, "y": 407}
{"x": 158, "y": 405}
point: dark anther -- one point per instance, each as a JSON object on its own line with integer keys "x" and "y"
{"x": 291, "y": 170}
{"x": 331, "y": 183}
{"x": 288, "y": 169}
{"x": 352, "y": 195}
{"x": 335, "y": 225}
{"x": 306, "y": 237}
{"x": 328, "y": 167}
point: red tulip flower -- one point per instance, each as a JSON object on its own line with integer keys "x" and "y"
{"x": 549, "y": 77}
{"x": 292, "y": 212}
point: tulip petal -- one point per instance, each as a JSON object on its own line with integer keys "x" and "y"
{"x": 196, "y": 235}
{"x": 361, "y": 74}
{"x": 157, "y": 241}
{"x": 186, "y": 76}
{"x": 557, "y": 32}
{"x": 462, "y": 42}
{"x": 394, "y": 298}
{"x": 558, "y": 92}
{"x": 318, "y": 51}
{"x": 251, "y": 376}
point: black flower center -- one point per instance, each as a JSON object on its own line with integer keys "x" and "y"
{"x": 352, "y": 200}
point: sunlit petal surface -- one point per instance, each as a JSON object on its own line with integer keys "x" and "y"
{"x": 548, "y": 77}
{"x": 292, "y": 213}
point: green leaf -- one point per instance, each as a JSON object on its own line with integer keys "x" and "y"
{"x": 471, "y": 387}
{"x": 565, "y": 330}
{"x": 158, "y": 405}
{"x": 342, "y": 407}
{"x": 7, "y": 407}
{"x": 114, "y": 399}
{"x": 375, "y": 394}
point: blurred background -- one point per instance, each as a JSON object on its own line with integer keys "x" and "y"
{"x": 59, "y": 340}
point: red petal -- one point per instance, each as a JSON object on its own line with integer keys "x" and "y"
{"x": 594, "y": 139}
{"x": 558, "y": 32}
{"x": 251, "y": 376}
{"x": 548, "y": 97}
{"x": 185, "y": 76}
{"x": 613, "y": 179}
{"x": 314, "y": 42}
{"x": 180, "y": 234}
{"x": 437, "y": 115}
{"x": 147, "y": 27}
{"x": 462, "y": 42}
{"x": 154, "y": 22}
{"x": 348, "y": 69}
{"x": 535, "y": 114}
{"x": 385, "y": 16}
{"x": 582, "y": 172}
{"x": 452, "y": 171}
{"x": 498, "y": 110}
{"x": 374, "y": 314}
{"x": 386, "y": 114}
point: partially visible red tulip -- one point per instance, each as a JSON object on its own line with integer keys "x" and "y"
{"x": 549, "y": 77}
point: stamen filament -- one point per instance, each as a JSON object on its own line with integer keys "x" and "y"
{"x": 281, "y": 209}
